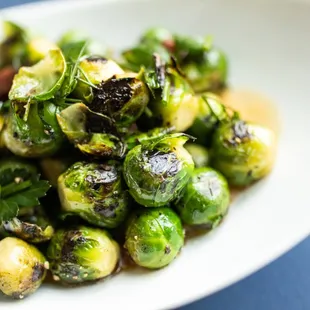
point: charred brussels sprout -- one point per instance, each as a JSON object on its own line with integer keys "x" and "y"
{"x": 95, "y": 192}
{"x": 199, "y": 154}
{"x": 156, "y": 171}
{"x": 93, "y": 133}
{"x": 22, "y": 268}
{"x": 82, "y": 255}
{"x": 122, "y": 98}
{"x": 154, "y": 237}
{"x": 37, "y": 136}
{"x": 210, "y": 112}
{"x": 243, "y": 152}
{"x": 175, "y": 104}
{"x": 94, "y": 69}
{"x": 33, "y": 227}
{"x": 207, "y": 71}
{"x": 205, "y": 199}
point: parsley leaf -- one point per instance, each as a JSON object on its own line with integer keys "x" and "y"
{"x": 12, "y": 200}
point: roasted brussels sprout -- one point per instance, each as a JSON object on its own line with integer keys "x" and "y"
{"x": 137, "y": 138}
{"x": 154, "y": 237}
{"x": 12, "y": 48}
{"x": 121, "y": 98}
{"x": 53, "y": 167}
{"x": 37, "y": 48}
{"x": 156, "y": 171}
{"x": 95, "y": 192}
{"x": 82, "y": 254}
{"x": 175, "y": 104}
{"x": 22, "y": 268}
{"x": 211, "y": 111}
{"x": 243, "y": 152}
{"x": 94, "y": 70}
{"x": 33, "y": 227}
{"x": 205, "y": 199}
{"x": 33, "y": 132}
{"x": 199, "y": 154}
{"x": 204, "y": 65}
{"x": 72, "y": 37}
{"x": 93, "y": 133}
{"x": 41, "y": 81}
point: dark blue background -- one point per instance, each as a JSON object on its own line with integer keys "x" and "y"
{"x": 283, "y": 285}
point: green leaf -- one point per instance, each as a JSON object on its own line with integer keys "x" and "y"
{"x": 30, "y": 196}
{"x": 8, "y": 210}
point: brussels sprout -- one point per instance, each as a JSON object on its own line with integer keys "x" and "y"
{"x": 22, "y": 268}
{"x": 13, "y": 47}
{"x": 33, "y": 228}
{"x": 38, "y": 48}
{"x": 157, "y": 170}
{"x": 37, "y": 136}
{"x": 154, "y": 237}
{"x": 175, "y": 104}
{"x": 42, "y": 80}
{"x": 94, "y": 69}
{"x": 135, "y": 139}
{"x": 72, "y": 37}
{"x": 243, "y": 152}
{"x": 123, "y": 99}
{"x": 199, "y": 154}
{"x": 205, "y": 199}
{"x": 208, "y": 73}
{"x": 157, "y": 35}
{"x": 211, "y": 112}
{"x": 95, "y": 192}
{"x": 93, "y": 133}
{"x": 142, "y": 55}
{"x": 82, "y": 254}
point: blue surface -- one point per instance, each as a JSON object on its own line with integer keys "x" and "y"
{"x": 283, "y": 285}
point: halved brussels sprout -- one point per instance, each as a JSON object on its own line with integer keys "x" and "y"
{"x": 42, "y": 80}
{"x": 205, "y": 199}
{"x": 208, "y": 73}
{"x": 22, "y": 268}
{"x": 154, "y": 237}
{"x": 157, "y": 170}
{"x": 95, "y": 192}
{"x": 211, "y": 112}
{"x": 175, "y": 104}
{"x": 38, "y": 48}
{"x": 34, "y": 227}
{"x": 53, "y": 167}
{"x": 93, "y": 133}
{"x": 122, "y": 98}
{"x": 94, "y": 70}
{"x": 243, "y": 152}
{"x": 199, "y": 154}
{"x": 13, "y": 47}
{"x": 37, "y": 136}
{"x": 83, "y": 254}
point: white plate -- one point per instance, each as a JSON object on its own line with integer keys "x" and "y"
{"x": 269, "y": 50}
